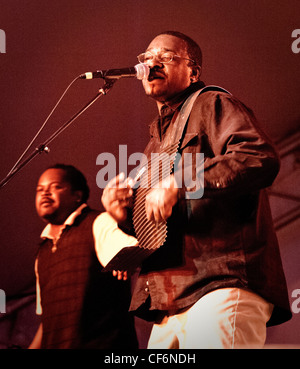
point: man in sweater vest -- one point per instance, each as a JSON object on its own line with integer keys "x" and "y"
{"x": 80, "y": 306}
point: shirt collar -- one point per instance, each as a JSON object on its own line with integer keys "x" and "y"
{"x": 174, "y": 105}
{"x": 47, "y": 231}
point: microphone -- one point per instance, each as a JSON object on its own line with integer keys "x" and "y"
{"x": 140, "y": 71}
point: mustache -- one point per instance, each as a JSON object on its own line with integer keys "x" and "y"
{"x": 46, "y": 200}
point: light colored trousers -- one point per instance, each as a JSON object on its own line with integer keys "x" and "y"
{"x": 224, "y": 318}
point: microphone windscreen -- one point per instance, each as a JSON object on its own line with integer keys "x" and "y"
{"x": 142, "y": 70}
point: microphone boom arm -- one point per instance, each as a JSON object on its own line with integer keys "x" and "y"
{"x": 44, "y": 146}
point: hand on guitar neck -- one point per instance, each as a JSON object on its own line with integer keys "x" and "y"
{"x": 117, "y": 197}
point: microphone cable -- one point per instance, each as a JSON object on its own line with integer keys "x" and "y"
{"x": 42, "y": 127}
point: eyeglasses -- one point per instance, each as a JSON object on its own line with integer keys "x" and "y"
{"x": 165, "y": 57}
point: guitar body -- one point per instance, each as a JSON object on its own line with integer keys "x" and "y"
{"x": 150, "y": 234}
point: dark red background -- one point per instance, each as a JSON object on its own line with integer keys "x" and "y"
{"x": 246, "y": 47}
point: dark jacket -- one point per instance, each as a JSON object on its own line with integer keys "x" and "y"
{"x": 225, "y": 238}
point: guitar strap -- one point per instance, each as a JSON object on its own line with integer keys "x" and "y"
{"x": 178, "y": 127}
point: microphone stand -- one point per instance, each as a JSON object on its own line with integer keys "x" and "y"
{"x": 44, "y": 146}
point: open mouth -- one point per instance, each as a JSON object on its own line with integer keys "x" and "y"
{"x": 153, "y": 76}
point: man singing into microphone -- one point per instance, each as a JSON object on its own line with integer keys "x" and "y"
{"x": 217, "y": 281}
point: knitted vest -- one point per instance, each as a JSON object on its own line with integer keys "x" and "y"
{"x": 82, "y": 307}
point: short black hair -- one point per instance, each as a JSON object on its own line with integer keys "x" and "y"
{"x": 75, "y": 178}
{"x": 193, "y": 49}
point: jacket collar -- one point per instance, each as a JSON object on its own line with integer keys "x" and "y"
{"x": 172, "y": 106}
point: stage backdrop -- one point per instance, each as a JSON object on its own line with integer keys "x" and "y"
{"x": 247, "y": 46}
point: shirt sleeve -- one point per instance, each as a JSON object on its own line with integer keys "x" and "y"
{"x": 109, "y": 239}
{"x": 38, "y": 290}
